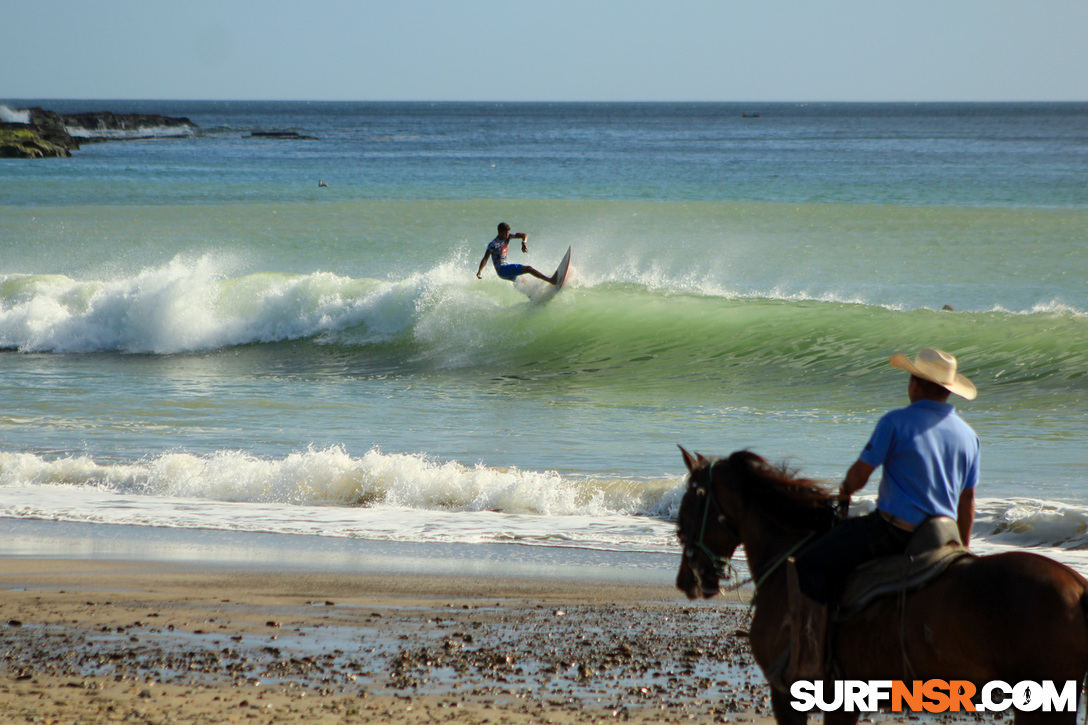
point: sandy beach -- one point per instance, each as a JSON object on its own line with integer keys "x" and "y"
{"x": 90, "y": 641}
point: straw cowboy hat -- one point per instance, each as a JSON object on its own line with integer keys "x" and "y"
{"x": 936, "y": 366}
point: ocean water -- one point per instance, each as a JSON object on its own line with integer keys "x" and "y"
{"x": 197, "y": 337}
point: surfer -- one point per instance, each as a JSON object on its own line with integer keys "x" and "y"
{"x": 496, "y": 251}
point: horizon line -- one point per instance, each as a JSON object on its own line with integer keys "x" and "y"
{"x": 526, "y": 101}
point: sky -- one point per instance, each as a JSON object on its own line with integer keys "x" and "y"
{"x": 546, "y": 50}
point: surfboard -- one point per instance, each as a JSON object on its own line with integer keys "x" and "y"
{"x": 561, "y": 271}
{"x": 541, "y": 293}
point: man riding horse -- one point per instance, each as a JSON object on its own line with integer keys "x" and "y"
{"x": 930, "y": 460}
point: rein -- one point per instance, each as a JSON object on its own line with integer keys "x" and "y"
{"x": 783, "y": 559}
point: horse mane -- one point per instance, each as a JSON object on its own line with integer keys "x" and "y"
{"x": 780, "y": 490}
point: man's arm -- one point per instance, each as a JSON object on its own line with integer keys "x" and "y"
{"x": 965, "y": 515}
{"x": 483, "y": 263}
{"x": 524, "y": 238}
{"x": 856, "y": 478}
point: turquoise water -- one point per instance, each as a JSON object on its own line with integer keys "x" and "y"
{"x": 194, "y": 319}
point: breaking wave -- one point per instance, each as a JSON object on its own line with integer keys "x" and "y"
{"x": 391, "y": 496}
{"x": 647, "y": 329}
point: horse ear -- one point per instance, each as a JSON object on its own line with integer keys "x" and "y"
{"x": 692, "y": 462}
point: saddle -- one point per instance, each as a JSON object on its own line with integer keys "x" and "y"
{"x": 934, "y": 546}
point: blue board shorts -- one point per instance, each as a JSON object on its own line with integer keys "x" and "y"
{"x": 510, "y": 271}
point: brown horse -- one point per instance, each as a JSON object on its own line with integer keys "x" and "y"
{"x": 1011, "y": 617}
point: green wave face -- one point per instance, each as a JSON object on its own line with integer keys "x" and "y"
{"x": 632, "y": 338}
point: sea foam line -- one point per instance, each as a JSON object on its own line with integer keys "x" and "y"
{"x": 332, "y": 477}
{"x": 134, "y": 133}
{"x": 378, "y": 496}
{"x": 335, "y": 480}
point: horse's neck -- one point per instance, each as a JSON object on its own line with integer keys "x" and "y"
{"x": 768, "y": 543}
{"x": 766, "y": 547}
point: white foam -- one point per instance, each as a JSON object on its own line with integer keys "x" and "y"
{"x": 1051, "y": 528}
{"x": 327, "y": 492}
{"x": 1053, "y": 307}
{"x": 190, "y": 305}
{"x": 330, "y": 476}
{"x": 1033, "y": 523}
{"x": 11, "y": 115}
{"x": 401, "y": 497}
{"x": 185, "y": 305}
{"x": 133, "y": 133}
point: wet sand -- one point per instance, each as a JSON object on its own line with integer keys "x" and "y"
{"x": 107, "y": 641}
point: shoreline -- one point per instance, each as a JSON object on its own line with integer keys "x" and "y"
{"x": 298, "y": 552}
{"x": 208, "y": 644}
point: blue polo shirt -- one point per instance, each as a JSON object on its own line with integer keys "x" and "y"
{"x": 929, "y": 454}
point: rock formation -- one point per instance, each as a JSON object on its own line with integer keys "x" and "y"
{"x": 47, "y": 134}
{"x": 27, "y": 141}
{"x": 103, "y": 123}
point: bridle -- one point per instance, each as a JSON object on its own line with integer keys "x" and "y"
{"x": 720, "y": 566}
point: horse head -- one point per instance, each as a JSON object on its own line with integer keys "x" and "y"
{"x": 706, "y": 531}
{"x": 724, "y": 496}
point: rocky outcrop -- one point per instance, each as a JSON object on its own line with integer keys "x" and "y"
{"x": 102, "y": 124}
{"x": 34, "y": 141}
{"x": 47, "y": 134}
{"x": 289, "y": 135}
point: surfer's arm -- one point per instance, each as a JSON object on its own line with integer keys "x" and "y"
{"x": 524, "y": 238}
{"x": 965, "y": 514}
{"x": 483, "y": 263}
